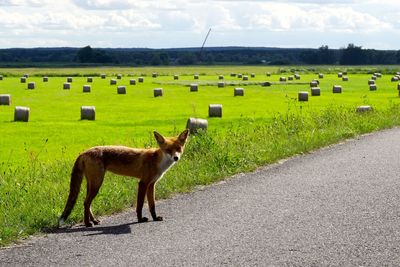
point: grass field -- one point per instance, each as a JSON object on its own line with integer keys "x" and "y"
{"x": 267, "y": 124}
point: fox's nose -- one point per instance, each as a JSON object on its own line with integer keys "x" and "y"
{"x": 176, "y": 158}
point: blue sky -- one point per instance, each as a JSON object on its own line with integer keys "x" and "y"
{"x": 184, "y": 23}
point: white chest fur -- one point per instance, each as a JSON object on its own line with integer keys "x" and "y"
{"x": 166, "y": 162}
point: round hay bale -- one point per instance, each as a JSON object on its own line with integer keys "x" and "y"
{"x": 268, "y": 74}
{"x": 86, "y": 88}
{"x": 196, "y": 76}
{"x": 240, "y": 76}
{"x": 132, "y": 81}
{"x": 141, "y": 79}
{"x": 113, "y": 81}
{"x": 252, "y": 75}
{"x": 88, "y": 113}
{"x": 176, "y": 77}
{"x": 320, "y": 75}
{"x": 372, "y": 87}
{"x": 371, "y": 82}
{"x": 233, "y": 74}
{"x": 23, "y": 79}
{"x": 196, "y": 124}
{"x": 398, "y": 86}
{"x": 215, "y": 110}
{"x": 290, "y": 78}
{"x": 103, "y": 76}
{"x": 394, "y": 79}
{"x": 315, "y": 91}
{"x": 1, "y": 77}
{"x": 344, "y": 72}
{"x": 297, "y": 76}
{"x": 66, "y": 86}
{"x": 89, "y": 79}
{"x": 303, "y": 96}
{"x": 340, "y": 75}
{"x": 221, "y": 84}
{"x": 69, "y": 79}
{"x": 337, "y": 89}
{"x": 26, "y": 76}
{"x": 194, "y": 87}
{"x": 314, "y": 83}
{"x": 21, "y": 114}
{"x": 345, "y": 78}
{"x": 221, "y": 77}
{"x": 238, "y": 92}
{"x": 31, "y": 85}
{"x": 5, "y": 100}
{"x": 45, "y": 79}
{"x": 154, "y": 74}
{"x": 245, "y": 78}
{"x": 121, "y": 90}
{"x": 373, "y": 77}
{"x": 361, "y": 109}
{"x": 378, "y": 74}
{"x": 119, "y": 76}
{"x": 282, "y": 79}
{"x": 158, "y": 92}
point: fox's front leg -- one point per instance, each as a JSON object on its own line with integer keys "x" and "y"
{"x": 151, "y": 202}
{"x": 140, "y": 200}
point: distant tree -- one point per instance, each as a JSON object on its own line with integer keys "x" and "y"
{"x": 90, "y": 55}
{"x": 326, "y": 55}
{"x": 352, "y": 55}
{"x": 398, "y": 57}
{"x": 85, "y": 54}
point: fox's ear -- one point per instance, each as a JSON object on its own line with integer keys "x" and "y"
{"x": 159, "y": 138}
{"x": 183, "y": 136}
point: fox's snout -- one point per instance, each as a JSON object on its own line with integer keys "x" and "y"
{"x": 176, "y": 158}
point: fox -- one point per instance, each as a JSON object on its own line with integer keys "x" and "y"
{"x": 148, "y": 165}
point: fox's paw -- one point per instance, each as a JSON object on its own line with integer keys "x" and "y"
{"x": 158, "y": 218}
{"x": 89, "y": 224}
{"x": 96, "y": 222}
{"x": 143, "y": 219}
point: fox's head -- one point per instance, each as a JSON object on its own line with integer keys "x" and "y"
{"x": 172, "y": 146}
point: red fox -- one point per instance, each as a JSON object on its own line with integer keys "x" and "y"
{"x": 149, "y": 165}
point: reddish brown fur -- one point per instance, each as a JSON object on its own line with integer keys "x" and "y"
{"x": 146, "y": 164}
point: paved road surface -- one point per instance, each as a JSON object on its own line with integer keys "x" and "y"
{"x": 338, "y": 206}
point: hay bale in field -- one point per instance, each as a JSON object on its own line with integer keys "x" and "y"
{"x": 141, "y": 79}
{"x": 361, "y": 109}
{"x": 268, "y": 74}
{"x": 344, "y": 72}
{"x": 69, "y": 79}
{"x": 66, "y": 86}
{"x": 314, "y": 83}
{"x": 373, "y": 77}
{"x": 221, "y": 77}
{"x": 345, "y": 78}
{"x": 154, "y": 74}
{"x": 132, "y": 82}
{"x": 45, "y": 79}
{"x": 113, "y": 81}
{"x": 31, "y": 85}
{"x": 372, "y": 87}
{"x": 303, "y": 96}
{"x": 290, "y": 78}
{"x": 23, "y": 80}
{"x": 88, "y": 113}
{"x": 337, "y": 89}
{"x": 194, "y": 87}
{"x": 215, "y": 110}
{"x": 196, "y": 76}
{"x": 321, "y": 75}
{"x": 245, "y": 78}
{"x": 340, "y": 75}
{"x": 315, "y": 91}
{"x": 21, "y": 114}
{"x": 398, "y": 86}
{"x": 221, "y": 84}
{"x": 1, "y": 77}
{"x": 89, "y": 79}
{"x": 196, "y": 124}
{"x": 86, "y": 88}
{"x": 26, "y": 76}
{"x": 282, "y": 79}
{"x": 119, "y": 76}
{"x": 378, "y": 74}
{"x": 158, "y": 92}
{"x": 176, "y": 77}
{"x": 297, "y": 76}
{"x": 233, "y": 74}
{"x": 238, "y": 92}
{"x": 394, "y": 79}
{"x": 371, "y": 82}
{"x": 240, "y": 76}
{"x": 103, "y": 76}
{"x": 252, "y": 75}
{"x": 5, "y": 100}
{"x": 121, "y": 90}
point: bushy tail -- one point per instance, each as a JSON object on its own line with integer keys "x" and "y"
{"x": 76, "y": 181}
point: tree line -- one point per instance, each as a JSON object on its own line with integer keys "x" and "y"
{"x": 350, "y": 55}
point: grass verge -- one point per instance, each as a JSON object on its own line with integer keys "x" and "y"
{"x": 33, "y": 196}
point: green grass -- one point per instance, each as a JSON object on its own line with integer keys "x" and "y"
{"x": 265, "y": 125}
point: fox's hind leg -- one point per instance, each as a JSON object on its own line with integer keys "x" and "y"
{"x": 94, "y": 176}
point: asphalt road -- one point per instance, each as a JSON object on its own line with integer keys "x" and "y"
{"x": 339, "y": 206}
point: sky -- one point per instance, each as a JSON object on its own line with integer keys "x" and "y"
{"x": 185, "y": 23}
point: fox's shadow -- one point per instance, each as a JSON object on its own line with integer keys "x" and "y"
{"x": 96, "y": 230}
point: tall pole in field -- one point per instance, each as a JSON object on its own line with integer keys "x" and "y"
{"x": 202, "y": 46}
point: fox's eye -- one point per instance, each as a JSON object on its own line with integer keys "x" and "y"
{"x": 169, "y": 151}
{"x": 179, "y": 149}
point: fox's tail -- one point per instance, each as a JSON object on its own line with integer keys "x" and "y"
{"x": 76, "y": 181}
